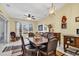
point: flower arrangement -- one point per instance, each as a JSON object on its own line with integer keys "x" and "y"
{"x": 49, "y": 26}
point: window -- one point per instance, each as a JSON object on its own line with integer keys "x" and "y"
{"x": 42, "y": 28}
{"x": 18, "y": 28}
{"x": 30, "y": 27}
{"x": 3, "y": 33}
{"x": 26, "y": 27}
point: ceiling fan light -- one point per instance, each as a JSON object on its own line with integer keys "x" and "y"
{"x": 28, "y": 18}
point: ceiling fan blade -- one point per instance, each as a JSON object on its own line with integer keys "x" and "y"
{"x": 33, "y": 17}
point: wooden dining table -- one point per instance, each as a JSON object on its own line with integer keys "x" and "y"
{"x": 37, "y": 44}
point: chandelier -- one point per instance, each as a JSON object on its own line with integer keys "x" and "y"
{"x": 52, "y": 9}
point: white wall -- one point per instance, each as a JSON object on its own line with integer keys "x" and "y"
{"x": 70, "y": 11}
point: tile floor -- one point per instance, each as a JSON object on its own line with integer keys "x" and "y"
{"x": 2, "y": 46}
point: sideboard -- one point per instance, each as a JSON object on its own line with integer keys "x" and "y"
{"x": 71, "y": 41}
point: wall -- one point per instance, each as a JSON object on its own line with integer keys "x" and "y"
{"x": 34, "y": 23}
{"x": 70, "y": 11}
{"x": 12, "y": 26}
{"x": 51, "y": 20}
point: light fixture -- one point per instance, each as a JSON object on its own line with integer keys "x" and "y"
{"x": 29, "y": 17}
{"x": 52, "y": 9}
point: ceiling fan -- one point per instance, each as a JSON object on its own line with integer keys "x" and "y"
{"x": 29, "y": 16}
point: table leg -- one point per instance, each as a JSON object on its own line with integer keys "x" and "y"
{"x": 37, "y": 53}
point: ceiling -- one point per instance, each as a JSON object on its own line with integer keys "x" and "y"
{"x": 37, "y": 10}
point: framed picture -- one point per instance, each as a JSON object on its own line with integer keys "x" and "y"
{"x": 77, "y": 19}
{"x": 40, "y": 27}
{"x": 63, "y": 26}
{"x": 77, "y": 31}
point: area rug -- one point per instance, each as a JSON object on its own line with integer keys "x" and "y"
{"x": 72, "y": 51}
{"x": 9, "y": 48}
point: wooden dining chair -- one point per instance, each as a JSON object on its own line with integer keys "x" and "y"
{"x": 27, "y": 48}
{"x": 13, "y": 36}
{"x": 31, "y": 34}
{"x": 31, "y": 48}
{"x": 50, "y": 49}
{"x": 22, "y": 50}
{"x": 23, "y": 46}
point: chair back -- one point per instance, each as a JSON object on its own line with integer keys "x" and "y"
{"x": 31, "y": 34}
{"x": 31, "y": 44}
{"x": 23, "y": 45}
{"x": 13, "y": 36}
{"x": 50, "y": 35}
{"x": 52, "y": 45}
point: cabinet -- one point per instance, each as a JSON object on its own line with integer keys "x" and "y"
{"x": 71, "y": 41}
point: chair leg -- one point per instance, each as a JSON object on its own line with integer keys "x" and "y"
{"x": 54, "y": 53}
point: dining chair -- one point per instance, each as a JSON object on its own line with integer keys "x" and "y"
{"x": 50, "y": 49}
{"x": 31, "y": 34}
{"x": 13, "y": 36}
{"x": 22, "y": 50}
{"x": 27, "y": 48}
{"x": 23, "y": 46}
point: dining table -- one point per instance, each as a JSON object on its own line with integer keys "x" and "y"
{"x": 38, "y": 43}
